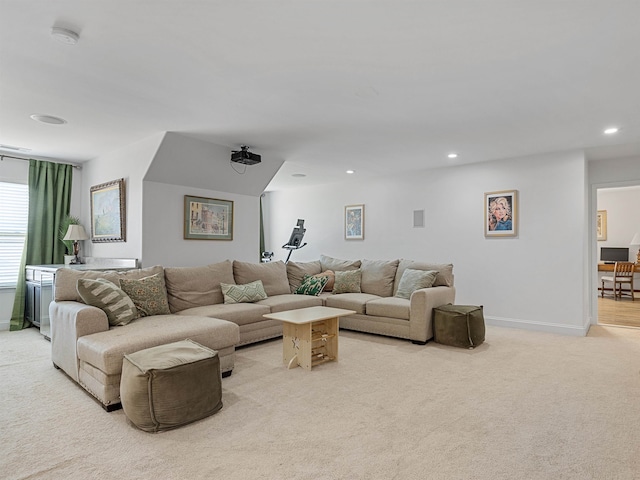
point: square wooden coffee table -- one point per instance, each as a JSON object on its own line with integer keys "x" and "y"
{"x": 309, "y": 335}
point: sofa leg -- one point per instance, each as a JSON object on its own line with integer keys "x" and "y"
{"x": 418, "y": 342}
{"x": 226, "y": 374}
{"x": 112, "y": 408}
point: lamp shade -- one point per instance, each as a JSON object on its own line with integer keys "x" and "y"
{"x": 76, "y": 232}
{"x": 636, "y": 239}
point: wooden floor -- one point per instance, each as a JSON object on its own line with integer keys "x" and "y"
{"x": 624, "y": 312}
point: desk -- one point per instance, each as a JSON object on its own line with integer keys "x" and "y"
{"x": 608, "y": 267}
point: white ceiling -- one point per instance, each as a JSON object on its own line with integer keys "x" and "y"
{"x": 377, "y": 86}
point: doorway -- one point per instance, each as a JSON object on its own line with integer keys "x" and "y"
{"x": 617, "y": 212}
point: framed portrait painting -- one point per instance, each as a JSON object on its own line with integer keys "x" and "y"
{"x": 601, "y": 225}
{"x": 208, "y": 218}
{"x": 108, "y": 212}
{"x": 354, "y": 222}
{"x": 501, "y": 213}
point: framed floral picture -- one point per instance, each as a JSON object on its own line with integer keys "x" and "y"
{"x": 601, "y": 225}
{"x": 208, "y": 218}
{"x": 501, "y": 213}
{"x": 108, "y": 212}
{"x": 354, "y": 222}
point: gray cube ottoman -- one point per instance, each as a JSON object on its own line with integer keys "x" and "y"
{"x": 170, "y": 385}
{"x": 459, "y": 325}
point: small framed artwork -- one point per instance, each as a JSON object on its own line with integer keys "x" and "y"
{"x": 501, "y": 213}
{"x": 108, "y": 212}
{"x": 601, "y": 225}
{"x": 354, "y": 222}
{"x": 208, "y": 218}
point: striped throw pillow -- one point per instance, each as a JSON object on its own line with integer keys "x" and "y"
{"x": 109, "y": 298}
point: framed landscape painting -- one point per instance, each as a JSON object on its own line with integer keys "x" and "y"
{"x": 354, "y": 222}
{"x": 501, "y": 213}
{"x": 208, "y": 218}
{"x": 108, "y": 212}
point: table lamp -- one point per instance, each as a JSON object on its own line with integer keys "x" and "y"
{"x": 75, "y": 233}
{"x": 636, "y": 241}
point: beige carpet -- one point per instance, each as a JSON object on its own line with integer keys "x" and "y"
{"x": 524, "y": 405}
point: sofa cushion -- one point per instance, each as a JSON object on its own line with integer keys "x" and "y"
{"x": 281, "y": 303}
{"x": 148, "y": 294}
{"x": 444, "y": 277}
{"x": 272, "y": 274}
{"x": 331, "y": 279}
{"x": 297, "y": 270}
{"x": 348, "y": 282}
{"x": 248, "y": 293}
{"x": 109, "y": 298}
{"x": 335, "y": 264}
{"x": 67, "y": 279}
{"x": 312, "y": 285}
{"x": 392, "y": 307}
{"x": 378, "y": 276}
{"x": 413, "y": 280}
{"x": 238, "y": 313}
{"x": 350, "y": 301}
{"x": 105, "y": 350}
{"x": 189, "y": 287}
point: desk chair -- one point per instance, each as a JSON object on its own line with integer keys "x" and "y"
{"x": 622, "y": 273}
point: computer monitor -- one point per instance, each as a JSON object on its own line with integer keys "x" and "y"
{"x": 614, "y": 254}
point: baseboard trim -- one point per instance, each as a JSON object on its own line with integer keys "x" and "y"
{"x": 5, "y": 325}
{"x": 576, "y": 331}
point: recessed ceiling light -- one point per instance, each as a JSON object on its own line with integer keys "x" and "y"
{"x": 64, "y": 35}
{"x": 453, "y": 155}
{"x": 351, "y": 172}
{"x": 48, "y": 119}
{"x": 611, "y": 130}
{"x": 298, "y": 175}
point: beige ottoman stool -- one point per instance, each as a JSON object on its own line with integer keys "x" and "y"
{"x": 170, "y": 385}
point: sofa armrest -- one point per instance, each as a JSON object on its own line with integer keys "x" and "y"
{"x": 423, "y": 302}
{"x": 69, "y": 321}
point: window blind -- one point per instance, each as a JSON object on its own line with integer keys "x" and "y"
{"x": 14, "y": 211}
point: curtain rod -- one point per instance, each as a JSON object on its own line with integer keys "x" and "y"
{"x": 3, "y": 156}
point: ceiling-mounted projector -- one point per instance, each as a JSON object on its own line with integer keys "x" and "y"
{"x": 244, "y": 156}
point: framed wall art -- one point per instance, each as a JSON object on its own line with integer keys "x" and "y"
{"x": 108, "y": 212}
{"x": 208, "y": 218}
{"x": 501, "y": 213}
{"x": 601, "y": 225}
{"x": 354, "y": 222}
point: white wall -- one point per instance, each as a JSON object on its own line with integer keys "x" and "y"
{"x": 623, "y": 217}
{"x": 517, "y": 280}
{"x": 17, "y": 171}
{"x": 130, "y": 163}
{"x": 163, "y": 241}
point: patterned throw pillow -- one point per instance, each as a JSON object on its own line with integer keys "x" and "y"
{"x": 414, "y": 280}
{"x": 247, "y": 293}
{"x": 149, "y": 294}
{"x": 348, "y": 281}
{"x": 312, "y": 285}
{"x": 332, "y": 279}
{"x": 105, "y": 295}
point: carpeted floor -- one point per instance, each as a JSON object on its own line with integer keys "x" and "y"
{"x": 524, "y": 405}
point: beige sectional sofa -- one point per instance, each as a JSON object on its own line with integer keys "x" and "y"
{"x": 90, "y": 351}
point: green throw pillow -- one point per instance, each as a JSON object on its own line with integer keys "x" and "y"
{"x": 149, "y": 294}
{"x": 105, "y": 295}
{"x": 247, "y": 293}
{"x": 413, "y": 280}
{"x": 348, "y": 281}
{"x": 312, "y": 285}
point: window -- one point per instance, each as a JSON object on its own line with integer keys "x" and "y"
{"x": 14, "y": 211}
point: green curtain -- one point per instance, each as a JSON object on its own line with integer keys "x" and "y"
{"x": 261, "y": 229}
{"x": 49, "y": 201}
